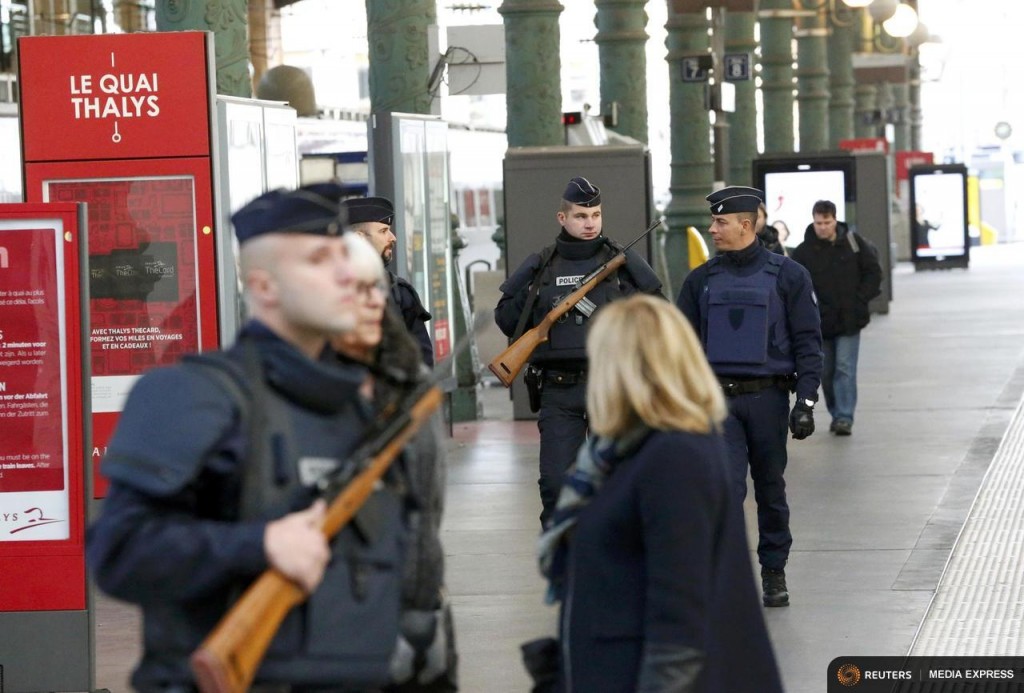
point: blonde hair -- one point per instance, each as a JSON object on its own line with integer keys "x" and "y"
{"x": 647, "y": 365}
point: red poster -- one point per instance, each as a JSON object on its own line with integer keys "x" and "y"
{"x": 142, "y": 272}
{"x": 31, "y": 419}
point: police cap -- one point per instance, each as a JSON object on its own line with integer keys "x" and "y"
{"x": 582, "y": 192}
{"x": 309, "y": 209}
{"x": 735, "y": 198}
{"x": 364, "y": 209}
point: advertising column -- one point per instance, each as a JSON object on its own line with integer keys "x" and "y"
{"x": 124, "y": 124}
{"x": 44, "y": 620}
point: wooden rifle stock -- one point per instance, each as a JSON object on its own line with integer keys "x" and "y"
{"x": 227, "y": 660}
{"x": 507, "y": 364}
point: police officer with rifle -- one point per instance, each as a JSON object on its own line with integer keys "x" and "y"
{"x": 556, "y": 376}
{"x": 216, "y": 462}
{"x": 757, "y": 318}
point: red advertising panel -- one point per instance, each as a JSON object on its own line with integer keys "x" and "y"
{"x": 865, "y": 144}
{"x": 152, "y": 279}
{"x": 114, "y": 96}
{"x": 905, "y": 160}
{"x": 42, "y": 479}
{"x": 121, "y": 122}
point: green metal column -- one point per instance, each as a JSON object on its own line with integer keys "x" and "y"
{"x": 901, "y": 113}
{"x": 845, "y": 32}
{"x": 914, "y": 110}
{"x": 777, "y": 74}
{"x": 622, "y": 48}
{"x": 812, "y": 82}
{"x": 739, "y": 38}
{"x": 532, "y": 73}
{"x": 399, "y": 58}
{"x": 691, "y": 142}
{"x": 229, "y": 21}
{"x": 866, "y": 111}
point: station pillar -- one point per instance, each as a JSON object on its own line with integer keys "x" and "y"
{"x": 812, "y": 82}
{"x": 622, "y": 46}
{"x": 692, "y": 166}
{"x": 739, "y": 38}
{"x": 396, "y": 33}
{"x": 532, "y": 73}
{"x": 777, "y": 74}
{"x": 228, "y": 20}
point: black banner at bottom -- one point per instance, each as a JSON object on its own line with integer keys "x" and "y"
{"x": 926, "y": 675}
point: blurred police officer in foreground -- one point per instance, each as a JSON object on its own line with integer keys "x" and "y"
{"x": 372, "y": 217}
{"x": 757, "y": 317}
{"x": 557, "y": 374}
{"x": 212, "y": 466}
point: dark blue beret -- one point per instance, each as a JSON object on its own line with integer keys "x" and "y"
{"x": 735, "y": 198}
{"x": 582, "y": 192}
{"x": 364, "y": 209}
{"x": 309, "y": 209}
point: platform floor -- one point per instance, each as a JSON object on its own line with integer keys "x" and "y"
{"x": 874, "y": 516}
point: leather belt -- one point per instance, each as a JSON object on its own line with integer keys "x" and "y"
{"x": 563, "y": 377}
{"x": 745, "y": 386}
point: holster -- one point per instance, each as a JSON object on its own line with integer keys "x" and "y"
{"x": 534, "y": 380}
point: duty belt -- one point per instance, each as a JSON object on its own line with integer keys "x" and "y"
{"x": 745, "y": 386}
{"x": 564, "y": 377}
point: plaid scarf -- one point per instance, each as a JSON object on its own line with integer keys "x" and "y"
{"x": 595, "y": 461}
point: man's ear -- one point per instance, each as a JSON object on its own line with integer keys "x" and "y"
{"x": 261, "y": 286}
{"x": 560, "y": 216}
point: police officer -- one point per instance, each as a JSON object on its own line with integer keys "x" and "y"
{"x": 372, "y": 218}
{"x": 757, "y": 317}
{"x": 200, "y": 507}
{"x": 558, "y": 368}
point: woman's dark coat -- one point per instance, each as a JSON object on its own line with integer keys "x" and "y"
{"x": 660, "y": 556}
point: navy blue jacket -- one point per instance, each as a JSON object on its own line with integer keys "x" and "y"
{"x": 414, "y": 315}
{"x": 174, "y": 536}
{"x": 797, "y": 294}
{"x": 660, "y": 556}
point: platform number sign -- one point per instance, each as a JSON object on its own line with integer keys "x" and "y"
{"x": 737, "y": 67}
{"x": 695, "y": 68}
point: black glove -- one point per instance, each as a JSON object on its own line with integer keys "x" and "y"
{"x": 667, "y": 668}
{"x": 801, "y": 420}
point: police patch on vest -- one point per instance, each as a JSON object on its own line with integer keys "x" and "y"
{"x": 312, "y": 469}
{"x": 568, "y": 281}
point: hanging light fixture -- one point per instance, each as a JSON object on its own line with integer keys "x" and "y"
{"x": 857, "y": 3}
{"x": 881, "y": 10}
{"x": 902, "y": 23}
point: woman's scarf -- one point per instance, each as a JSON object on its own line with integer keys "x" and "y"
{"x": 595, "y": 461}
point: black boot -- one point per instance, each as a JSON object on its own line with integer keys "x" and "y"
{"x": 773, "y": 585}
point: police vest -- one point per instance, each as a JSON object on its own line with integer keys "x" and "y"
{"x": 745, "y": 332}
{"x": 567, "y": 338}
{"x": 347, "y": 630}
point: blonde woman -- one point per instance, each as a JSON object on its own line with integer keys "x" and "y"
{"x": 647, "y": 551}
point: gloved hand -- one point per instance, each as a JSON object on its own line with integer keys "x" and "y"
{"x": 801, "y": 420}
{"x": 667, "y": 668}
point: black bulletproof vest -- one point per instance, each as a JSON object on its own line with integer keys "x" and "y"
{"x": 567, "y": 339}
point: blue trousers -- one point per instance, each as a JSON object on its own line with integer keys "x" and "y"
{"x": 562, "y": 421}
{"x": 755, "y": 436}
{"x": 839, "y": 375}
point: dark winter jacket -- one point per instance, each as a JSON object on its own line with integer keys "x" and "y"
{"x": 846, "y": 276}
{"x": 659, "y": 563}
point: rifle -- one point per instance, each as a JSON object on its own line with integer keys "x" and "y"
{"x": 507, "y": 364}
{"x": 227, "y": 660}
